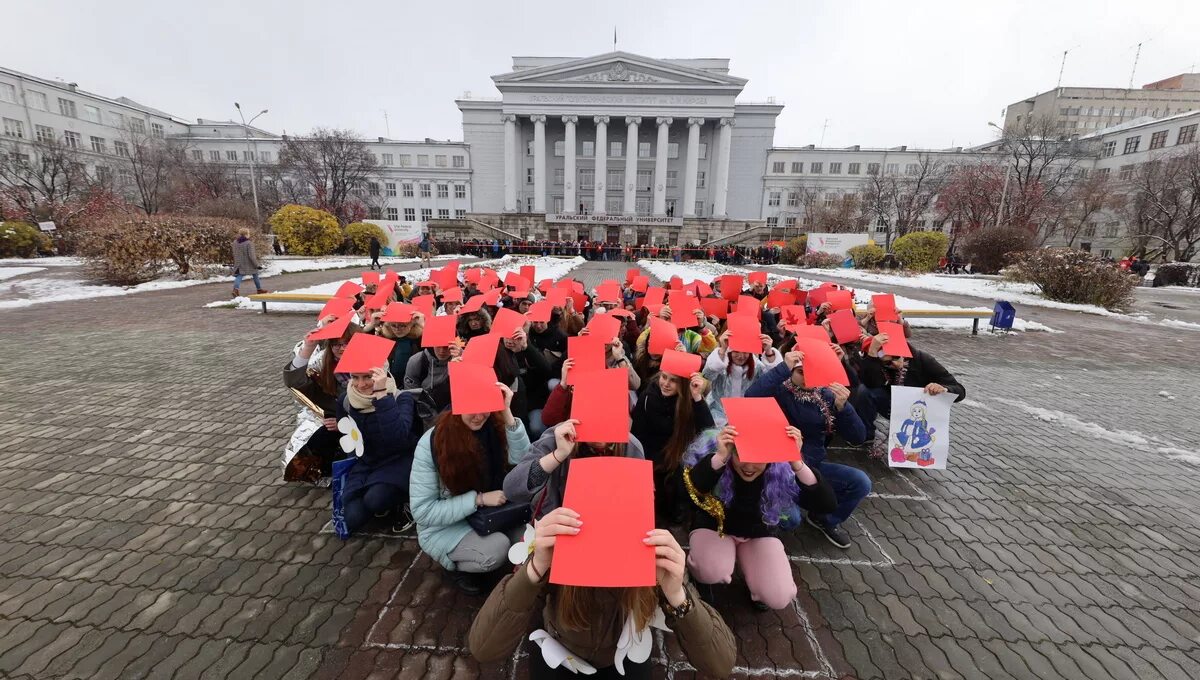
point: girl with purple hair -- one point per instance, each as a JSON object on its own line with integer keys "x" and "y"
{"x": 743, "y": 507}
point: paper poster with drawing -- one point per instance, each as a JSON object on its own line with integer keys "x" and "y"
{"x": 920, "y": 430}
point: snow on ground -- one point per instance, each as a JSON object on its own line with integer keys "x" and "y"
{"x": 709, "y": 270}
{"x": 1176, "y": 323}
{"x": 42, "y": 261}
{"x": 13, "y": 272}
{"x": 547, "y": 268}
{"x": 38, "y": 290}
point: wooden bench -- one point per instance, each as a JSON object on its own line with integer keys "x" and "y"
{"x": 974, "y": 314}
{"x": 264, "y": 298}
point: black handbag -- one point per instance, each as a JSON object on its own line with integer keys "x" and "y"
{"x": 499, "y": 518}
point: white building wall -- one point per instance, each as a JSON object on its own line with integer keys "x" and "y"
{"x": 483, "y": 133}
{"x": 753, "y": 137}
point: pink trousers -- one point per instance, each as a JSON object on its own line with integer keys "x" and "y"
{"x": 763, "y": 562}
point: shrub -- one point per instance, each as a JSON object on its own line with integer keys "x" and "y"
{"x": 1177, "y": 274}
{"x": 306, "y": 231}
{"x": 1075, "y": 276}
{"x": 867, "y": 256}
{"x": 360, "y": 234}
{"x": 921, "y": 250}
{"x": 126, "y": 250}
{"x": 990, "y": 249}
{"x": 21, "y": 239}
{"x": 794, "y": 250}
{"x": 821, "y": 260}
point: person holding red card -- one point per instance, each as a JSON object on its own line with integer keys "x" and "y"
{"x": 743, "y": 507}
{"x": 885, "y": 365}
{"x": 458, "y": 468}
{"x": 406, "y": 333}
{"x": 731, "y": 372}
{"x": 818, "y": 413}
{"x": 530, "y": 373}
{"x": 429, "y": 371}
{"x": 473, "y": 323}
{"x": 668, "y": 415}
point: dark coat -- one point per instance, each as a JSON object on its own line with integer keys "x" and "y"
{"x": 653, "y": 423}
{"x": 807, "y": 417}
{"x": 743, "y": 515}
{"x": 374, "y": 248}
{"x": 390, "y": 435}
{"x": 922, "y": 370}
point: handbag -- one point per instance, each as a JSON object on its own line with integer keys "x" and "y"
{"x": 499, "y": 518}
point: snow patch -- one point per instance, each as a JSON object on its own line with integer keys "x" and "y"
{"x": 1176, "y": 323}
{"x": 13, "y": 272}
{"x": 57, "y": 261}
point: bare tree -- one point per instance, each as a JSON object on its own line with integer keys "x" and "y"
{"x": 45, "y": 180}
{"x": 1087, "y": 198}
{"x": 1042, "y": 176}
{"x": 331, "y": 164}
{"x": 902, "y": 200}
{"x": 155, "y": 164}
{"x": 1161, "y": 205}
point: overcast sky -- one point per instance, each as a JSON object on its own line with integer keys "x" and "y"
{"x": 925, "y": 74}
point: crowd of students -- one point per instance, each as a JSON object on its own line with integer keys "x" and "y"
{"x": 381, "y": 375}
{"x": 612, "y": 252}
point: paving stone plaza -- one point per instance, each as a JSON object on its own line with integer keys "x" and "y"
{"x": 145, "y": 531}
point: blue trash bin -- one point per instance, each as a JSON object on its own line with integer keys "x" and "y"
{"x": 1003, "y": 315}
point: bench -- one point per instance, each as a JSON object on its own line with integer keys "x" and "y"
{"x": 264, "y": 298}
{"x": 974, "y": 314}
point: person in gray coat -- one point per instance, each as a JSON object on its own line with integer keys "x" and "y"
{"x": 245, "y": 262}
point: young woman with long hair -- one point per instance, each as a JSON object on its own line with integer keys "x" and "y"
{"x": 731, "y": 373}
{"x": 459, "y": 467}
{"x": 600, "y": 632}
{"x": 668, "y": 415}
{"x": 743, "y": 507}
{"x": 407, "y": 337}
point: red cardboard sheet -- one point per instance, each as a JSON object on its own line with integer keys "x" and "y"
{"x": 473, "y": 275}
{"x": 896, "y": 345}
{"x": 540, "y": 311}
{"x": 398, "y": 312}
{"x": 473, "y": 304}
{"x": 515, "y": 280}
{"x": 718, "y": 307}
{"x": 777, "y": 299}
{"x": 507, "y": 321}
{"x": 631, "y": 274}
{"x": 683, "y": 309}
{"x": 439, "y": 331}
{"x": 452, "y": 295}
{"x": 333, "y": 329}
{"x": 840, "y": 299}
{"x": 762, "y": 430}
{"x": 731, "y": 286}
{"x": 424, "y": 304}
{"x": 492, "y": 297}
{"x": 700, "y": 289}
{"x": 793, "y": 314}
{"x": 682, "y": 364}
{"x": 745, "y": 334}
{"x": 787, "y": 284}
{"x": 817, "y": 333}
{"x": 676, "y": 283}
{"x": 601, "y": 405}
{"x": 446, "y": 277}
{"x": 379, "y": 300}
{"x": 363, "y": 353}
{"x": 845, "y": 326}
{"x": 558, "y": 297}
{"x": 885, "y": 307}
{"x": 663, "y": 336}
{"x": 608, "y": 292}
{"x": 604, "y": 326}
{"x": 529, "y": 273}
{"x": 655, "y": 295}
{"x": 615, "y": 501}
{"x": 588, "y": 352}
{"x": 640, "y": 284}
{"x": 821, "y": 365}
{"x": 757, "y": 277}
{"x": 481, "y": 350}
{"x": 338, "y": 306}
{"x": 473, "y": 389}
{"x": 370, "y": 278}
{"x": 348, "y": 290}
{"x": 748, "y": 305}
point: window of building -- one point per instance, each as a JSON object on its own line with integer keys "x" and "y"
{"x": 529, "y": 175}
{"x": 389, "y": 159}
{"x": 440, "y": 161}
{"x": 422, "y": 160}
{"x": 589, "y": 149}
{"x": 700, "y": 178}
{"x": 830, "y": 199}
{"x": 1103, "y": 172}
{"x": 643, "y": 149}
{"x": 43, "y": 133}
{"x": 789, "y": 221}
{"x": 443, "y": 213}
{"x": 703, "y": 153}
{"x": 1131, "y": 144}
{"x": 248, "y": 156}
{"x": 125, "y": 175}
{"x": 672, "y": 150}
{"x": 373, "y": 188}
{"x": 912, "y": 168}
{"x": 892, "y": 168}
{"x": 645, "y": 180}
{"x": 407, "y": 189}
{"x": 443, "y": 191}
{"x": 393, "y": 214}
{"x": 91, "y": 113}
{"x": 103, "y": 173}
{"x": 231, "y": 156}
{"x": 426, "y": 191}
{"x": 426, "y": 214}
{"x": 616, "y": 179}
{"x": 835, "y": 168}
{"x": 797, "y": 167}
{"x": 136, "y": 125}
{"x": 374, "y": 213}
{"x": 559, "y": 174}
{"x": 67, "y": 107}
{"x": 560, "y": 148}
{"x": 35, "y": 99}
{"x": 410, "y": 214}
{"x": 214, "y": 156}
{"x": 872, "y": 168}
{"x": 643, "y": 206}
{"x": 405, "y": 160}
{"x": 1104, "y": 252}
{"x": 613, "y": 205}
{"x": 793, "y": 199}
{"x": 264, "y": 156}
{"x": 8, "y": 93}
{"x": 1158, "y": 140}
{"x": 773, "y": 198}
{"x": 156, "y": 130}
{"x": 699, "y": 208}
{"x": 460, "y": 191}
{"x": 72, "y": 139}
{"x": 198, "y": 155}
{"x": 460, "y": 161}
{"x": 1126, "y": 172}
{"x": 390, "y": 188}
{"x": 816, "y": 168}
{"x": 854, "y": 169}
{"x": 1187, "y": 134}
{"x": 14, "y": 128}
{"x": 1090, "y": 231}
{"x": 777, "y": 167}
{"x": 115, "y": 119}
{"x": 672, "y": 179}
{"x": 773, "y": 221}
{"x": 1110, "y": 229}
{"x": 460, "y": 213}
{"x": 587, "y": 178}
{"x": 615, "y": 149}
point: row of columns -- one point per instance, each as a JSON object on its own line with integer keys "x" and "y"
{"x": 632, "y": 123}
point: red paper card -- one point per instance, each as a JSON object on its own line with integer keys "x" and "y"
{"x": 700, "y": 289}
{"x": 370, "y": 278}
{"x": 655, "y": 295}
{"x": 446, "y": 277}
{"x": 615, "y": 501}
{"x": 682, "y": 364}
{"x": 338, "y": 306}
{"x": 663, "y": 336}
{"x": 748, "y": 304}
{"x": 473, "y": 304}
{"x": 640, "y": 284}
{"x": 840, "y": 299}
{"x": 817, "y": 333}
{"x": 757, "y": 277}
{"x": 676, "y": 283}
{"x": 473, "y": 275}
{"x": 604, "y": 326}
{"x": 481, "y": 350}
{"x": 608, "y": 292}
{"x": 821, "y": 365}
{"x": 885, "y": 307}
{"x": 439, "y": 331}
{"x": 379, "y": 300}
{"x": 588, "y": 352}
{"x": 762, "y": 430}
{"x": 786, "y": 284}
{"x": 793, "y": 314}
{"x": 492, "y": 297}
{"x": 540, "y": 311}
{"x": 515, "y": 280}
{"x": 507, "y": 322}
{"x": 529, "y": 273}
{"x": 801, "y": 296}
{"x": 398, "y": 312}
{"x": 348, "y": 289}
{"x": 718, "y": 307}
{"x": 683, "y": 309}
{"x": 845, "y": 326}
{"x": 897, "y": 345}
{"x": 473, "y": 389}
{"x": 363, "y": 353}
{"x": 557, "y": 297}
{"x": 601, "y": 405}
{"x": 777, "y": 299}
{"x": 545, "y": 285}
{"x": 452, "y": 295}
{"x": 489, "y": 279}
{"x": 580, "y": 300}
{"x": 333, "y": 329}
{"x": 731, "y": 286}
{"x": 745, "y": 334}
{"x": 817, "y": 296}
{"x": 424, "y": 304}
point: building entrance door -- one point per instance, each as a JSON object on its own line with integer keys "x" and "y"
{"x": 643, "y": 237}
{"x": 614, "y": 235}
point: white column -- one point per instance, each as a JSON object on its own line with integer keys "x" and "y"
{"x": 601, "y": 165}
{"x": 510, "y": 162}
{"x": 692, "y": 167}
{"x": 660, "y": 167}
{"x": 631, "y": 159}
{"x": 539, "y": 163}
{"x": 723, "y": 168}
{"x": 569, "y": 202}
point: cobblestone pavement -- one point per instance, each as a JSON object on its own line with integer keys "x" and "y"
{"x": 144, "y": 532}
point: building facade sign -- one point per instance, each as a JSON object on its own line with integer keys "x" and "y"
{"x": 836, "y": 244}
{"x": 619, "y": 220}
{"x": 634, "y": 99}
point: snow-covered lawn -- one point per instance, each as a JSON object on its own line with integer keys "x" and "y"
{"x": 38, "y": 290}
{"x": 1176, "y": 323}
{"x": 58, "y": 261}
{"x": 709, "y": 270}
{"x": 13, "y": 272}
{"x": 547, "y": 268}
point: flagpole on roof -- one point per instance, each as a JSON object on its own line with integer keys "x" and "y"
{"x": 614, "y": 38}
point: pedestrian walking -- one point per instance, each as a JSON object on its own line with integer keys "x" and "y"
{"x": 424, "y": 248}
{"x": 245, "y": 262}
{"x": 374, "y": 249}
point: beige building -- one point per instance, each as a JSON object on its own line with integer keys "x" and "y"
{"x": 1084, "y": 110}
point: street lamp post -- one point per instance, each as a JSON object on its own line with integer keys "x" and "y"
{"x": 1004, "y": 191}
{"x": 250, "y": 155}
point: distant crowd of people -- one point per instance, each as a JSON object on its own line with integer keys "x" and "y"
{"x": 611, "y": 252}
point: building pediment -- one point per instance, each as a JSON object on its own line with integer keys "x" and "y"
{"x": 618, "y": 69}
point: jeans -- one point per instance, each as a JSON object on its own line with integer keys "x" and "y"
{"x": 378, "y": 498}
{"x": 869, "y": 402}
{"x": 850, "y": 485}
{"x": 477, "y": 554}
{"x": 237, "y": 280}
{"x": 763, "y": 562}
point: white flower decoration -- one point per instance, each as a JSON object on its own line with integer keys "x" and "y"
{"x": 352, "y": 439}
{"x": 636, "y": 645}
{"x": 519, "y": 552}
{"x": 556, "y": 655}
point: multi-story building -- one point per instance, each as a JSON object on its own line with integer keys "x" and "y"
{"x": 1083, "y": 110}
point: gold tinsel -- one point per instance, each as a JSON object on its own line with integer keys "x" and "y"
{"x": 706, "y": 502}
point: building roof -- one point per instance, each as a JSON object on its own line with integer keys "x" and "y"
{"x": 74, "y": 88}
{"x": 861, "y": 149}
{"x": 1141, "y": 121}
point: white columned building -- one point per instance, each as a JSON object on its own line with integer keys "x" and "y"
{"x": 601, "y": 171}
{"x": 510, "y": 162}
{"x": 539, "y": 162}
{"x": 569, "y": 163}
{"x": 631, "y": 163}
{"x": 660, "y": 167}
{"x": 720, "y": 205}
{"x": 689, "y": 174}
